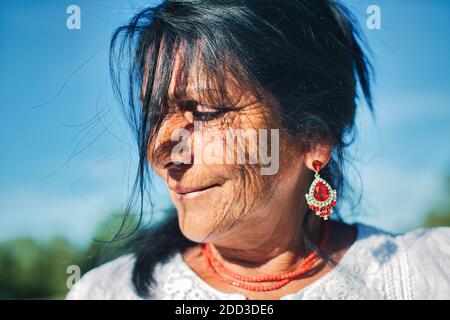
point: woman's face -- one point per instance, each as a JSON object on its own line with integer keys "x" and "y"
{"x": 218, "y": 197}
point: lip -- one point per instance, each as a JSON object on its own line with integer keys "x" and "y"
{"x": 185, "y": 193}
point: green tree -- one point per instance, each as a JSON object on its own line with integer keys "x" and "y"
{"x": 31, "y": 269}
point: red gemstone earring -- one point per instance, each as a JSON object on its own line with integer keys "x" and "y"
{"x": 321, "y": 198}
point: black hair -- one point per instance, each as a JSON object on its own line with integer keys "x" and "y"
{"x": 305, "y": 54}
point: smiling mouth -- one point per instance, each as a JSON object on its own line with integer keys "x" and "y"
{"x": 190, "y": 193}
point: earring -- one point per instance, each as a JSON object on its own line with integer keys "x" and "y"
{"x": 321, "y": 198}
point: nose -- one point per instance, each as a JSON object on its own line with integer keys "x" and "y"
{"x": 164, "y": 165}
{"x": 177, "y": 170}
{"x": 160, "y": 153}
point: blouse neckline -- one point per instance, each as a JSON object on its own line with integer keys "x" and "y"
{"x": 239, "y": 296}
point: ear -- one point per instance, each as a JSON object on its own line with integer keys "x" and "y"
{"x": 319, "y": 151}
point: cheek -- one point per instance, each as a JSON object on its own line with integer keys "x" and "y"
{"x": 210, "y": 216}
{"x": 254, "y": 187}
{"x": 245, "y": 193}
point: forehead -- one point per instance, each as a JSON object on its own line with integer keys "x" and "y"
{"x": 191, "y": 79}
{"x": 198, "y": 83}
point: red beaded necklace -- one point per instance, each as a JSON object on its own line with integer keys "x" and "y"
{"x": 281, "y": 279}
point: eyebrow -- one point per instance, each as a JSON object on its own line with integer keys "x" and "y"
{"x": 177, "y": 96}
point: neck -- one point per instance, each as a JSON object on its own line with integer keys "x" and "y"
{"x": 262, "y": 252}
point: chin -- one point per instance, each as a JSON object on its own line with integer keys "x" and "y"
{"x": 196, "y": 232}
{"x": 201, "y": 225}
{"x": 199, "y": 216}
{"x": 197, "y": 225}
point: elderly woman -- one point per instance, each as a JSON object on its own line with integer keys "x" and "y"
{"x": 245, "y": 109}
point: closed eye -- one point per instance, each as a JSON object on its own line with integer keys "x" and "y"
{"x": 204, "y": 112}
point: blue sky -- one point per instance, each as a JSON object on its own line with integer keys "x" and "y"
{"x": 66, "y": 153}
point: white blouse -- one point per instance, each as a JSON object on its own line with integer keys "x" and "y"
{"x": 379, "y": 265}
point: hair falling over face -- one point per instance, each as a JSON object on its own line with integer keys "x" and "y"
{"x": 289, "y": 64}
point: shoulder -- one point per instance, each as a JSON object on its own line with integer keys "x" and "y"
{"x": 111, "y": 280}
{"x": 435, "y": 242}
{"x": 413, "y": 265}
{"x": 425, "y": 247}
{"x": 427, "y": 251}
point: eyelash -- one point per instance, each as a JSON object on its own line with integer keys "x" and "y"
{"x": 204, "y": 116}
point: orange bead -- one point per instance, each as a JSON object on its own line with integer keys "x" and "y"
{"x": 282, "y": 279}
